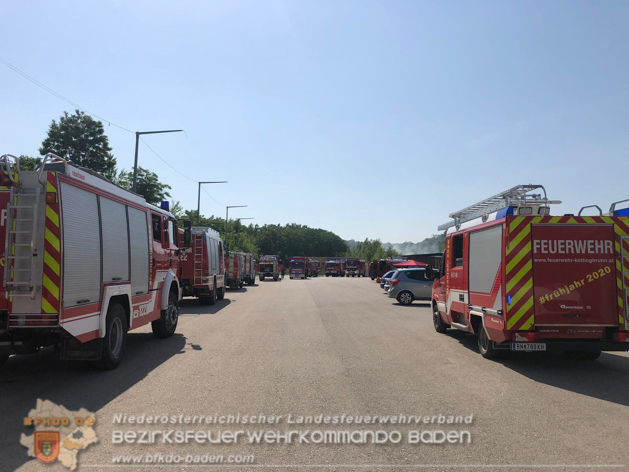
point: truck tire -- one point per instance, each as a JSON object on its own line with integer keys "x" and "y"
{"x": 261, "y": 278}
{"x": 275, "y": 278}
{"x": 212, "y": 300}
{"x": 405, "y": 297}
{"x": 486, "y": 345}
{"x": 220, "y": 293}
{"x": 582, "y": 355}
{"x": 208, "y": 299}
{"x": 115, "y": 340}
{"x": 440, "y": 326}
{"x": 165, "y": 326}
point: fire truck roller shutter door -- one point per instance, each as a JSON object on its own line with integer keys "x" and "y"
{"x": 139, "y": 239}
{"x": 485, "y": 268}
{"x": 115, "y": 241}
{"x": 82, "y": 246}
{"x": 214, "y": 257}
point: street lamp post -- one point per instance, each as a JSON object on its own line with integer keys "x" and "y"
{"x": 137, "y": 142}
{"x": 227, "y": 218}
{"x": 199, "y": 198}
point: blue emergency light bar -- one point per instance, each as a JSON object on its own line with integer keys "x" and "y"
{"x": 622, "y": 212}
{"x": 503, "y": 213}
{"x": 165, "y": 205}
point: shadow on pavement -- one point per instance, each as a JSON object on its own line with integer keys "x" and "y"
{"x": 190, "y": 306}
{"x": 75, "y": 385}
{"x": 606, "y": 378}
{"x": 416, "y": 304}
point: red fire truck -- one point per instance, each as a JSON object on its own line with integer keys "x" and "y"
{"x": 378, "y": 268}
{"x": 311, "y": 267}
{"x": 202, "y": 264}
{"x": 250, "y": 269}
{"x": 333, "y": 268}
{"x": 355, "y": 267}
{"x": 85, "y": 262}
{"x": 522, "y": 280}
{"x": 269, "y": 267}
{"x": 235, "y": 268}
{"x": 297, "y": 267}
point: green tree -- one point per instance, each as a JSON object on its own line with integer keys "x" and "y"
{"x": 148, "y": 185}
{"x": 81, "y": 139}
{"x": 29, "y": 163}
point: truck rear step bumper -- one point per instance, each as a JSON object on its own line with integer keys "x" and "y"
{"x": 576, "y": 345}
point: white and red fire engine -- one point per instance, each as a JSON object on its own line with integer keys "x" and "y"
{"x": 356, "y": 268}
{"x": 250, "y": 269}
{"x": 523, "y": 280}
{"x": 235, "y": 267}
{"x": 85, "y": 261}
{"x": 202, "y": 264}
{"x": 297, "y": 267}
{"x": 269, "y": 267}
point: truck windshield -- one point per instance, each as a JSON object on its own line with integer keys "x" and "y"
{"x": 329, "y": 265}
{"x": 296, "y": 265}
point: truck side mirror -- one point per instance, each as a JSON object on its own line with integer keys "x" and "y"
{"x": 187, "y": 233}
{"x": 428, "y": 273}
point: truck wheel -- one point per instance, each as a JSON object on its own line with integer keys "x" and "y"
{"x": 486, "y": 345}
{"x": 165, "y": 326}
{"x": 275, "y": 278}
{"x": 440, "y": 326}
{"x": 405, "y": 297}
{"x": 261, "y": 278}
{"x": 212, "y": 298}
{"x": 582, "y": 355}
{"x": 115, "y": 338}
{"x": 220, "y": 294}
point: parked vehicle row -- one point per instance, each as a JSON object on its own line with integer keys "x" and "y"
{"x": 341, "y": 267}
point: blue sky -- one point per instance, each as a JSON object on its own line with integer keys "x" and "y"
{"x": 368, "y": 118}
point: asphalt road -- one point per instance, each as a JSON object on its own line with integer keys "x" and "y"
{"x": 328, "y": 346}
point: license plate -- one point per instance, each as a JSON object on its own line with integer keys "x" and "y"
{"x": 528, "y": 347}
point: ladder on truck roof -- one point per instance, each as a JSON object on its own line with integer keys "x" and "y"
{"x": 514, "y": 197}
{"x": 198, "y": 258}
{"x": 20, "y": 278}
